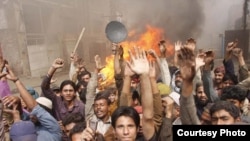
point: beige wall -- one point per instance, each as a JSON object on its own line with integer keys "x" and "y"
{"x": 13, "y": 36}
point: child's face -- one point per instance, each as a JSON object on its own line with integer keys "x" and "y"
{"x": 112, "y": 97}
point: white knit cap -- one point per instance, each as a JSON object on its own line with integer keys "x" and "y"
{"x": 176, "y": 97}
{"x": 45, "y": 102}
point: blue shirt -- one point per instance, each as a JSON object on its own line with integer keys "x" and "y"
{"x": 49, "y": 129}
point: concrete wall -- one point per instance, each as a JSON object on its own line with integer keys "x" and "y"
{"x": 13, "y": 36}
{"x": 34, "y": 59}
{"x": 64, "y": 20}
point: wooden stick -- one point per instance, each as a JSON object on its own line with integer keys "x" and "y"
{"x": 79, "y": 39}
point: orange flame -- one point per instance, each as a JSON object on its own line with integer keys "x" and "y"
{"x": 108, "y": 72}
{"x": 148, "y": 40}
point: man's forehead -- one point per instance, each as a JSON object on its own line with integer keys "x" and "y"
{"x": 221, "y": 113}
{"x": 233, "y": 100}
{"x": 102, "y": 100}
{"x": 121, "y": 121}
{"x": 218, "y": 73}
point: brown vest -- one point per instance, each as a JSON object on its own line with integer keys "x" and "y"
{"x": 109, "y": 135}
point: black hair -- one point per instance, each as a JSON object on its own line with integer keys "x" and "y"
{"x": 227, "y": 106}
{"x": 135, "y": 76}
{"x": 248, "y": 94}
{"x": 81, "y": 83}
{"x": 83, "y": 92}
{"x": 197, "y": 85}
{"x": 230, "y": 77}
{"x": 196, "y": 99}
{"x": 136, "y": 95}
{"x": 172, "y": 70}
{"x": 68, "y": 82}
{"x": 103, "y": 95}
{"x": 73, "y": 118}
{"x": 127, "y": 112}
{"x": 162, "y": 42}
{"x": 79, "y": 77}
{"x": 108, "y": 91}
{"x": 159, "y": 80}
{"x": 233, "y": 92}
{"x": 82, "y": 95}
{"x": 78, "y": 128}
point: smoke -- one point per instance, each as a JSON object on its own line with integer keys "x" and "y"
{"x": 180, "y": 19}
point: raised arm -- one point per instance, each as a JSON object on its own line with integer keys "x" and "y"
{"x": 177, "y": 47}
{"x": 91, "y": 88}
{"x": 79, "y": 68}
{"x": 126, "y": 96}
{"x": 207, "y": 79}
{"x": 157, "y": 104}
{"x": 186, "y": 61}
{"x": 199, "y": 62}
{"x": 27, "y": 98}
{"x": 118, "y": 68}
{"x": 47, "y": 121}
{"x": 163, "y": 65}
{"x": 140, "y": 65}
{"x": 73, "y": 65}
{"x": 228, "y": 62}
{"x": 45, "y": 86}
{"x": 243, "y": 69}
{"x": 229, "y": 48}
{"x": 117, "y": 58}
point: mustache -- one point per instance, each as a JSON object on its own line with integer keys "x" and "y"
{"x": 177, "y": 81}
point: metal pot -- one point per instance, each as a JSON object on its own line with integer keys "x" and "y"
{"x": 116, "y": 32}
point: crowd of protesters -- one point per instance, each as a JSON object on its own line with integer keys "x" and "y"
{"x": 149, "y": 96}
